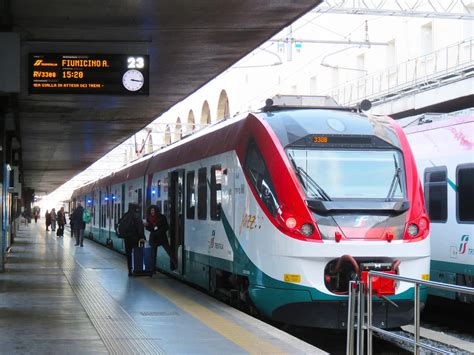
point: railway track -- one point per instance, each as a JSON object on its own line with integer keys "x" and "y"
{"x": 446, "y": 325}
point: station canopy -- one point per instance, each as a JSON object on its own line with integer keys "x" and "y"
{"x": 185, "y": 44}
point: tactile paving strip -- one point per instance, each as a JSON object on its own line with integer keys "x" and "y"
{"x": 118, "y": 331}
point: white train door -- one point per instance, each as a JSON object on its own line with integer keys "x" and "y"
{"x": 176, "y": 216}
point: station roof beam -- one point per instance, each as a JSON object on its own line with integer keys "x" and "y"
{"x": 447, "y": 9}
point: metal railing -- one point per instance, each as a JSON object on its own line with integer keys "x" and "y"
{"x": 357, "y": 290}
{"x": 444, "y": 65}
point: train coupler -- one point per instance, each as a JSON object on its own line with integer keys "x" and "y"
{"x": 381, "y": 287}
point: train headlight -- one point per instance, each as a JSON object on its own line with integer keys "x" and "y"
{"x": 291, "y": 223}
{"x": 307, "y": 229}
{"x": 413, "y": 230}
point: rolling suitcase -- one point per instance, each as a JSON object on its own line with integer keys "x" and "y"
{"x": 142, "y": 263}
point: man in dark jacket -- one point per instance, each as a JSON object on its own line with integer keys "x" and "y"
{"x": 157, "y": 225}
{"x": 133, "y": 233}
{"x": 79, "y": 224}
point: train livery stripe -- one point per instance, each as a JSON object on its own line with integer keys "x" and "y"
{"x": 228, "y": 329}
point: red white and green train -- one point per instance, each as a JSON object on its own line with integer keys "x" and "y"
{"x": 278, "y": 210}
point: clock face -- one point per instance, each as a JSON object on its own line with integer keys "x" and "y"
{"x": 132, "y": 80}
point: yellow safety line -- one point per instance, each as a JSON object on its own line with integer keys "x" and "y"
{"x": 219, "y": 324}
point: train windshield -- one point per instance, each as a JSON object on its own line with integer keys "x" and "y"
{"x": 349, "y": 174}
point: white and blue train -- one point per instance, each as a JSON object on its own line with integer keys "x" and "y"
{"x": 443, "y": 146}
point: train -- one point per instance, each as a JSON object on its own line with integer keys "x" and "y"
{"x": 443, "y": 146}
{"x": 278, "y": 209}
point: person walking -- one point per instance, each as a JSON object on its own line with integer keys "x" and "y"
{"x": 157, "y": 225}
{"x": 53, "y": 219}
{"x": 61, "y": 222}
{"x": 47, "y": 217}
{"x": 79, "y": 224}
{"x": 132, "y": 231}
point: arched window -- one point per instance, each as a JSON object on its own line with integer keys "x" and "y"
{"x": 178, "y": 133}
{"x": 167, "y": 135}
{"x": 223, "y": 111}
{"x": 205, "y": 114}
{"x": 191, "y": 123}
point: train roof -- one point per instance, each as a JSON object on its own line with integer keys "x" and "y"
{"x": 433, "y": 120}
{"x": 289, "y": 124}
{"x": 430, "y": 117}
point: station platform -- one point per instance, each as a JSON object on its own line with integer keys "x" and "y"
{"x": 59, "y": 298}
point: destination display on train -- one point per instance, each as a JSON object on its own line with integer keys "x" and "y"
{"x": 109, "y": 74}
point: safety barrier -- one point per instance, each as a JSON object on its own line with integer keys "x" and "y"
{"x": 364, "y": 293}
{"x": 445, "y": 65}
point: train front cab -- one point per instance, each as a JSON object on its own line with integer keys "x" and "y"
{"x": 339, "y": 203}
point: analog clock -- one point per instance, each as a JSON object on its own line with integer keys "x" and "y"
{"x": 132, "y": 80}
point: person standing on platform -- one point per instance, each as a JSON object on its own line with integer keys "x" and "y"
{"x": 71, "y": 223}
{"x": 53, "y": 219}
{"x": 61, "y": 222}
{"x": 79, "y": 224}
{"x": 47, "y": 217}
{"x": 157, "y": 225}
{"x": 132, "y": 231}
{"x": 36, "y": 217}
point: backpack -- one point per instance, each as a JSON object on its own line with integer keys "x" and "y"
{"x": 125, "y": 226}
{"x": 86, "y": 216}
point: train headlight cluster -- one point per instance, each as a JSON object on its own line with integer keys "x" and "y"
{"x": 417, "y": 228}
{"x": 295, "y": 226}
{"x": 307, "y": 229}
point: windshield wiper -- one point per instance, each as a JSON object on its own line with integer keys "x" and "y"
{"x": 313, "y": 185}
{"x": 396, "y": 179}
{"x": 297, "y": 170}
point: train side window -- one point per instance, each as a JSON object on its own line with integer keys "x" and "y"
{"x": 465, "y": 193}
{"x": 436, "y": 193}
{"x": 216, "y": 192}
{"x": 259, "y": 176}
{"x": 190, "y": 195}
{"x": 202, "y": 193}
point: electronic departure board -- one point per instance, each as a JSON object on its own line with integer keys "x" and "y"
{"x": 112, "y": 74}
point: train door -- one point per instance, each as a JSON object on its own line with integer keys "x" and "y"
{"x": 109, "y": 207}
{"x": 100, "y": 210}
{"x": 122, "y": 210}
{"x": 176, "y": 216}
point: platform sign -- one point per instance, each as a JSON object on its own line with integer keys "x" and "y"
{"x": 111, "y": 74}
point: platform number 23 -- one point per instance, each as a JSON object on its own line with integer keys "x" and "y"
{"x": 135, "y": 62}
